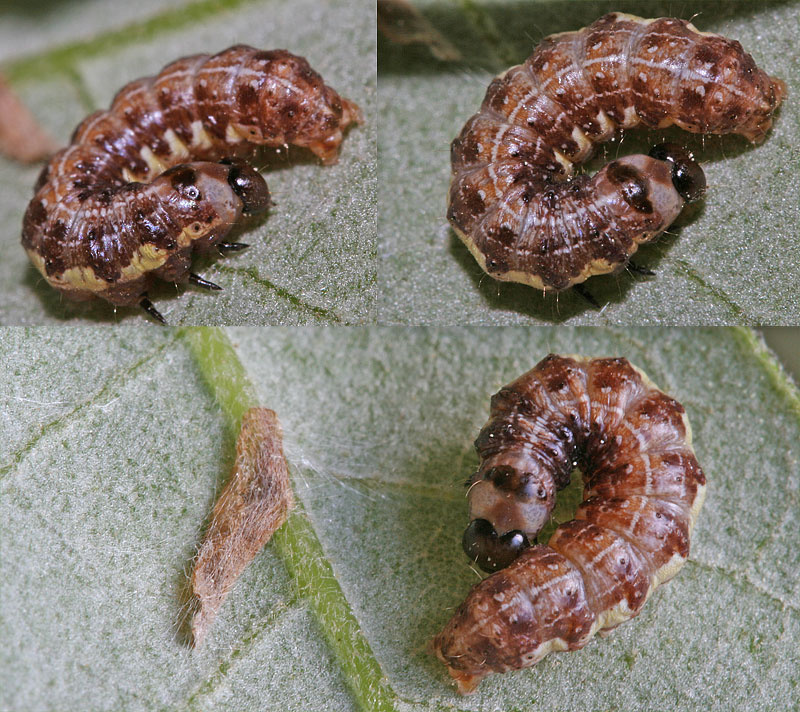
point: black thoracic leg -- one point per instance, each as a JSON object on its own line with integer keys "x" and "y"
{"x": 147, "y": 305}
{"x": 583, "y": 292}
{"x": 204, "y": 283}
{"x": 638, "y": 269}
{"x": 227, "y": 248}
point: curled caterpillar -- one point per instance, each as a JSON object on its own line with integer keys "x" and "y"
{"x": 643, "y": 489}
{"x": 162, "y": 174}
{"x": 513, "y": 200}
{"x": 255, "y": 502}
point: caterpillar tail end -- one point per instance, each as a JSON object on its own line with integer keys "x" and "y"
{"x": 327, "y": 149}
{"x": 465, "y": 682}
{"x": 756, "y": 132}
{"x": 351, "y": 113}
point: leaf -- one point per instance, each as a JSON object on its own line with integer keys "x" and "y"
{"x": 312, "y": 260}
{"x": 116, "y": 441}
{"x": 731, "y": 260}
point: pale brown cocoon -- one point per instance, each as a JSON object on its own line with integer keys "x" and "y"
{"x": 255, "y": 502}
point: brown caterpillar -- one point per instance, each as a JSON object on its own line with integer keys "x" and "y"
{"x": 643, "y": 489}
{"x": 255, "y": 502}
{"x": 121, "y": 205}
{"x": 513, "y": 200}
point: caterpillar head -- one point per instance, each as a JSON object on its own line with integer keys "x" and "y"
{"x": 487, "y": 549}
{"x": 687, "y": 176}
{"x": 248, "y": 185}
{"x": 510, "y": 501}
{"x": 207, "y": 199}
{"x": 645, "y": 194}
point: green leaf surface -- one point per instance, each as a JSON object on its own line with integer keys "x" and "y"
{"x": 731, "y": 260}
{"x": 313, "y": 259}
{"x": 115, "y": 443}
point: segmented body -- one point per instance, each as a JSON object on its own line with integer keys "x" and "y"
{"x": 511, "y": 200}
{"x": 643, "y": 489}
{"x": 108, "y": 216}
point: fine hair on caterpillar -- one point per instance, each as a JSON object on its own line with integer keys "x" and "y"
{"x": 515, "y": 200}
{"x": 167, "y": 171}
{"x": 643, "y": 489}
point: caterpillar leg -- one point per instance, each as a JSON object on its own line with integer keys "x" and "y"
{"x": 147, "y": 305}
{"x": 229, "y": 248}
{"x": 587, "y": 295}
{"x": 204, "y": 283}
{"x": 638, "y": 269}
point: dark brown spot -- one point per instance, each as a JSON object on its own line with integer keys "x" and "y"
{"x": 53, "y": 265}
{"x": 472, "y": 201}
{"x": 58, "y": 230}
{"x": 497, "y": 264}
{"x": 246, "y": 98}
{"x": 201, "y": 91}
{"x": 464, "y": 151}
{"x": 691, "y": 101}
{"x": 289, "y": 109}
{"x": 153, "y": 231}
{"x": 505, "y": 236}
{"x": 181, "y": 177}
{"x": 632, "y": 184}
{"x": 42, "y": 179}
{"x": 158, "y": 145}
{"x": 36, "y": 214}
{"x": 103, "y": 197}
{"x": 267, "y": 56}
{"x": 550, "y": 199}
{"x": 706, "y": 53}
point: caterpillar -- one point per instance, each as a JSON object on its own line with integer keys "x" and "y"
{"x": 255, "y": 502}
{"x": 643, "y": 489}
{"x": 163, "y": 174}
{"x": 513, "y": 199}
